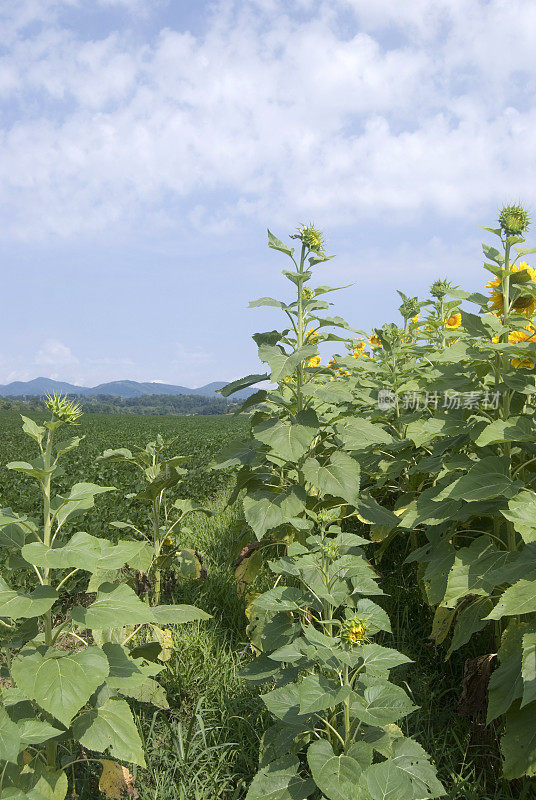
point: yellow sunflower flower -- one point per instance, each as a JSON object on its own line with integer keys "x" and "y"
{"x": 374, "y": 340}
{"x": 332, "y": 364}
{"x": 415, "y": 318}
{"x": 311, "y": 336}
{"x": 454, "y": 321}
{"x": 522, "y": 363}
{"x": 314, "y": 361}
{"x": 525, "y": 304}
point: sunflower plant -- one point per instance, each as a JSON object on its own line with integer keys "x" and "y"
{"x": 68, "y": 669}
{"x": 334, "y": 706}
{"x": 473, "y": 511}
{"x": 158, "y": 473}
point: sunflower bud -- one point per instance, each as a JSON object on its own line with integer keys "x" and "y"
{"x": 440, "y": 288}
{"x": 311, "y": 237}
{"x": 353, "y": 631}
{"x": 307, "y": 293}
{"x": 62, "y": 409}
{"x": 513, "y": 220}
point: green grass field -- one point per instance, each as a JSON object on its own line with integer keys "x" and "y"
{"x": 206, "y": 746}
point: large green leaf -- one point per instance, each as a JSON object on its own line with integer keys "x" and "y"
{"x": 506, "y": 683}
{"x": 528, "y": 668}
{"x": 115, "y": 605}
{"x": 406, "y": 775}
{"x": 371, "y": 512}
{"x": 242, "y": 383}
{"x": 89, "y": 553}
{"x": 522, "y": 513}
{"x": 517, "y": 599}
{"x": 110, "y": 727}
{"x": 336, "y": 776}
{"x": 177, "y": 614}
{"x": 281, "y": 598}
{"x": 80, "y": 498}
{"x": 379, "y": 660}
{"x": 487, "y": 479}
{"x": 470, "y": 619}
{"x": 340, "y": 477}
{"x": 316, "y": 693}
{"x": 36, "y": 731}
{"x": 514, "y": 429}
{"x": 9, "y": 738}
{"x": 477, "y": 569}
{"x": 18, "y": 605}
{"x": 60, "y": 682}
{"x": 356, "y": 433}
{"x": 279, "y": 780}
{"x": 518, "y": 743}
{"x": 38, "y": 784}
{"x": 288, "y": 439}
{"x": 381, "y": 703}
{"x": 266, "y": 510}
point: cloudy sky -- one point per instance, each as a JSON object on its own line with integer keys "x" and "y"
{"x": 147, "y": 144}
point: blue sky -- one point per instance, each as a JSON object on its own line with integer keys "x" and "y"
{"x": 147, "y": 144}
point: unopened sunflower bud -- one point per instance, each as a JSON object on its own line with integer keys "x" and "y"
{"x": 353, "y": 631}
{"x": 62, "y": 409}
{"x": 514, "y": 220}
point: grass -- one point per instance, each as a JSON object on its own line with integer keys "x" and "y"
{"x": 206, "y": 746}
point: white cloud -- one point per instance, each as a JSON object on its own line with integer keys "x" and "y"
{"x": 282, "y": 116}
{"x": 54, "y": 354}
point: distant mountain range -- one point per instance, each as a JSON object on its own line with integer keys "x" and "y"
{"x": 41, "y": 386}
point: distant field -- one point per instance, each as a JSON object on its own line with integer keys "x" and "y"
{"x": 201, "y": 437}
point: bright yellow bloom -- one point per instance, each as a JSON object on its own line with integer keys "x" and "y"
{"x": 311, "y": 336}
{"x": 524, "y": 304}
{"x": 374, "y": 340}
{"x": 332, "y": 364}
{"x": 454, "y": 321}
{"x": 522, "y": 363}
{"x": 416, "y": 318}
{"x": 343, "y": 371}
{"x": 358, "y": 353}
{"x": 314, "y": 361}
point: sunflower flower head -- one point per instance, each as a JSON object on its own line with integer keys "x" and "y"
{"x": 514, "y": 220}
{"x": 307, "y": 293}
{"x": 523, "y": 363}
{"x": 332, "y": 364}
{"x": 311, "y": 336}
{"x": 454, "y": 321}
{"x": 63, "y": 409}
{"x": 524, "y": 304}
{"x": 374, "y": 340}
{"x": 314, "y": 361}
{"x": 353, "y": 631}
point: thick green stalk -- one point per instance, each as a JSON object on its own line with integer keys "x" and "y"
{"x": 300, "y": 331}
{"x": 156, "y": 537}
{"x": 347, "y": 724}
{"x": 510, "y": 532}
{"x": 47, "y": 538}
